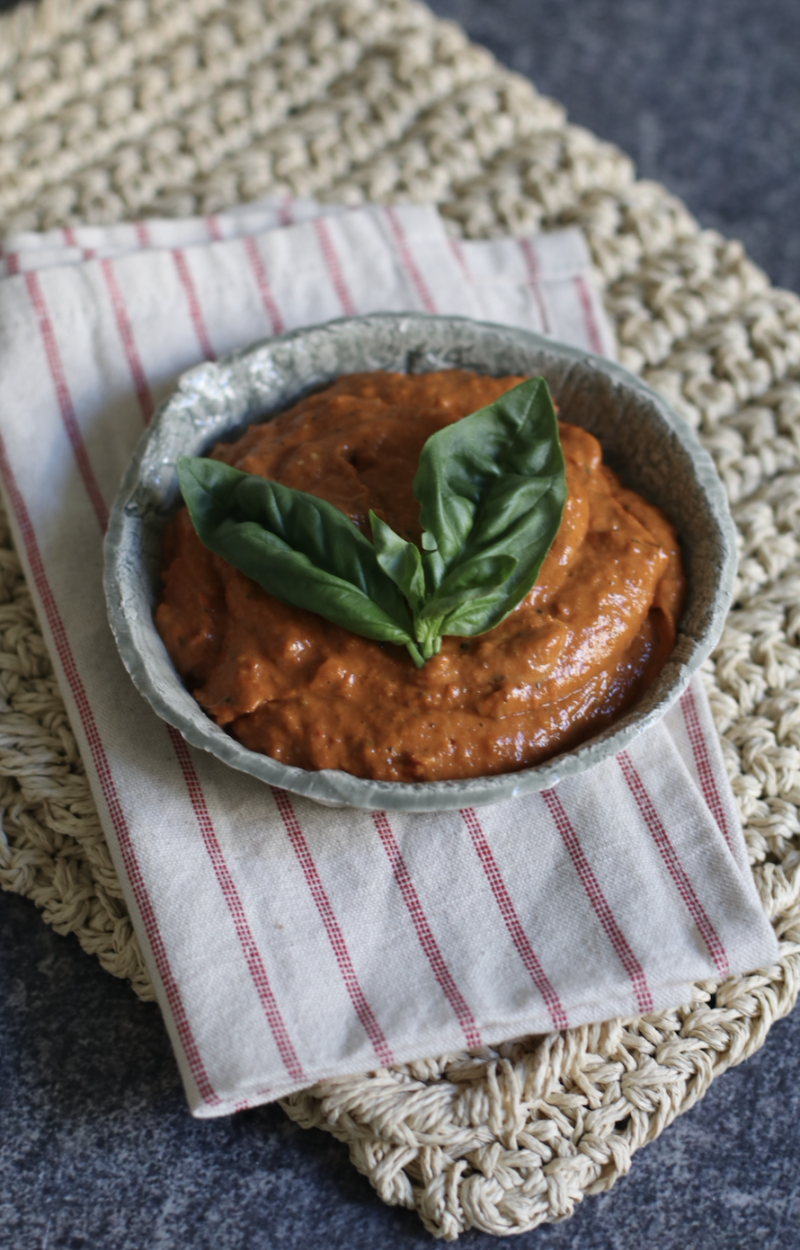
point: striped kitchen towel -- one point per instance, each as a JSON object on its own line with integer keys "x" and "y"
{"x": 289, "y": 942}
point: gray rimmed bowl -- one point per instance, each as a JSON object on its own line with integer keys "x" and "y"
{"x": 653, "y": 449}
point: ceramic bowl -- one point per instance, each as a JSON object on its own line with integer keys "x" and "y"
{"x": 653, "y": 449}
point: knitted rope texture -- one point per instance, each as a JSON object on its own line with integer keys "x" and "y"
{"x": 187, "y": 106}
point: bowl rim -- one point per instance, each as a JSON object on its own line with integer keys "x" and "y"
{"x": 174, "y": 704}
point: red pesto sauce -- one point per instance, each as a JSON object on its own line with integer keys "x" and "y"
{"x": 579, "y": 649}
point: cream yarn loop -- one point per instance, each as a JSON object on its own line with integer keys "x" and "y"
{"x": 174, "y": 107}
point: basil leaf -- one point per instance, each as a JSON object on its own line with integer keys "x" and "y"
{"x": 470, "y": 579}
{"x": 301, "y": 549}
{"x": 400, "y": 560}
{"x": 492, "y": 487}
{"x": 463, "y": 600}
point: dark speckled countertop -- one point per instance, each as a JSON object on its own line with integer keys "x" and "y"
{"x": 97, "y": 1149}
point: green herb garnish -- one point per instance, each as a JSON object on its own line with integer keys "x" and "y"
{"x": 492, "y": 489}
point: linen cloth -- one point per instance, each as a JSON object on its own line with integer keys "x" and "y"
{"x": 290, "y": 942}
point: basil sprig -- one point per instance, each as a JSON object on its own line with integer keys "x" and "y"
{"x": 492, "y": 489}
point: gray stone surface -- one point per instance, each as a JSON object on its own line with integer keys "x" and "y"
{"x": 704, "y": 95}
{"x": 96, "y": 1147}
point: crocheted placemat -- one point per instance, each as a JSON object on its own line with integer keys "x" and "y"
{"x": 143, "y": 107}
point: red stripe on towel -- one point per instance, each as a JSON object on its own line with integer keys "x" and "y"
{"x": 426, "y": 939}
{"x": 705, "y": 772}
{"x": 247, "y": 942}
{"x": 507, "y": 910}
{"x": 673, "y": 863}
{"x": 140, "y": 384}
{"x": 589, "y": 319}
{"x": 407, "y": 261}
{"x": 193, "y": 300}
{"x": 334, "y": 267}
{"x": 531, "y": 260}
{"x": 265, "y": 291}
{"x": 335, "y": 936}
{"x": 458, "y": 252}
{"x": 64, "y": 398}
{"x": 214, "y": 228}
{"x": 107, "y": 785}
{"x": 70, "y": 237}
{"x": 598, "y": 901}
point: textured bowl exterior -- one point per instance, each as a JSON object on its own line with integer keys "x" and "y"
{"x": 651, "y": 447}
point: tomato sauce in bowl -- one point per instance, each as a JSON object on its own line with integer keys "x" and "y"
{"x": 579, "y": 650}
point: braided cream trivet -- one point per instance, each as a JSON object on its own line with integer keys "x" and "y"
{"x": 361, "y": 99}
